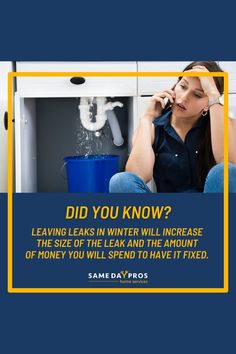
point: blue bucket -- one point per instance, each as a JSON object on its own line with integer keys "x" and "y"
{"x": 91, "y": 173}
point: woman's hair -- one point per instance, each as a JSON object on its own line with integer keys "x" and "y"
{"x": 206, "y": 157}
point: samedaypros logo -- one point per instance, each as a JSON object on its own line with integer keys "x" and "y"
{"x": 124, "y": 276}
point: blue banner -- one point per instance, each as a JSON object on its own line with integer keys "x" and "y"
{"x": 118, "y": 241}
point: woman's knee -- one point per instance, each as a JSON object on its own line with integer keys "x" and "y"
{"x": 127, "y": 182}
{"x": 117, "y": 182}
{"x": 232, "y": 178}
{"x": 215, "y": 179}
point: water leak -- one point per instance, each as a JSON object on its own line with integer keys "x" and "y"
{"x": 91, "y": 143}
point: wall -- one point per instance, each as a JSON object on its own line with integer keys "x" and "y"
{"x": 59, "y": 135}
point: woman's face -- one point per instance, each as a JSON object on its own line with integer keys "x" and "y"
{"x": 190, "y": 99}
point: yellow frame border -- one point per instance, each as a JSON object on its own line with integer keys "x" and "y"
{"x": 225, "y": 288}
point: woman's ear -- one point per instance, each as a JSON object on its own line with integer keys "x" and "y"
{"x": 205, "y": 111}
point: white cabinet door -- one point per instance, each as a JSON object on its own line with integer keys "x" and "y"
{"x": 151, "y": 85}
{"x": 25, "y": 145}
{"x": 61, "y": 86}
{"x": 5, "y": 67}
{"x": 230, "y": 67}
{"x": 141, "y": 108}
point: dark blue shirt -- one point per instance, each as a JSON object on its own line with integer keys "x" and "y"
{"x": 176, "y": 162}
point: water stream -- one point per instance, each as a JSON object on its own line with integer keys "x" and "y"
{"x": 91, "y": 143}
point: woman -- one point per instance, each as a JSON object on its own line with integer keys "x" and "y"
{"x": 181, "y": 143}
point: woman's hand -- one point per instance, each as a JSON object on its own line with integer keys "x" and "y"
{"x": 207, "y": 82}
{"x": 216, "y": 114}
{"x": 157, "y": 103}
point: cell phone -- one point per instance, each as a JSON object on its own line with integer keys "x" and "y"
{"x": 166, "y": 100}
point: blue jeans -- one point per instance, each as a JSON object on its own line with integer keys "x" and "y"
{"x": 126, "y": 182}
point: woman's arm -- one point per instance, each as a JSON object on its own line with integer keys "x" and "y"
{"x": 217, "y": 134}
{"x": 142, "y": 157}
{"x": 217, "y": 131}
{"x": 232, "y": 140}
{"x": 216, "y": 114}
